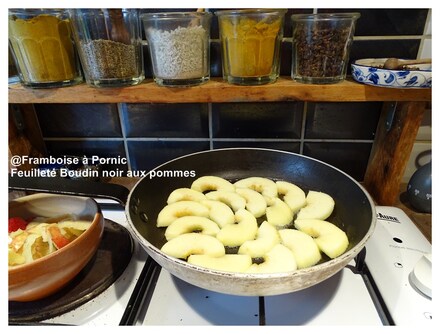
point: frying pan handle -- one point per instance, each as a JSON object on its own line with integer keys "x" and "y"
{"x": 63, "y": 186}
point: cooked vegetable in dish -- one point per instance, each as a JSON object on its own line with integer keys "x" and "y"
{"x": 41, "y": 236}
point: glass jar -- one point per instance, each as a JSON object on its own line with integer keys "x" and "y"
{"x": 42, "y": 46}
{"x": 179, "y": 47}
{"x": 251, "y": 44}
{"x": 321, "y": 46}
{"x": 110, "y": 46}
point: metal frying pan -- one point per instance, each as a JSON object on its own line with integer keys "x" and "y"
{"x": 354, "y": 212}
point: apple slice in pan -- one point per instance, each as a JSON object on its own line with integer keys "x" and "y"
{"x": 278, "y": 259}
{"x": 303, "y": 247}
{"x": 232, "y": 199}
{"x": 180, "y": 209}
{"x": 293, "y": 195}
{"x": 319, "y": 205}
{"x": 185, "y": 194}
{"x": 255, "y": 202}
{"x": 278, "y": 213}
{"x": 331, "y": 240}
{"x": 246, "y": 228}
{"x": 210, "y": 183}
{"x": 193, "y": 243}
{"x": 188, "y": 224}
{"x": 219, "y": 212}
{"x": 229, "y": 262}
{"x": 264, "y": 186}
{"x": 267, "y": 238}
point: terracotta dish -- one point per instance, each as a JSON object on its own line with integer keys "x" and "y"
{"x": 44, "y": 276}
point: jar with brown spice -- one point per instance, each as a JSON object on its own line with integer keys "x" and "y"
{"x": 110, "y": 46}
{"x": 321, "y": 46}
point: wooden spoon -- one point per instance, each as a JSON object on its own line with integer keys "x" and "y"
{"x": 119, "y": 32}
{"x": 195, "y": 22}
{"x": 395, "y": 64}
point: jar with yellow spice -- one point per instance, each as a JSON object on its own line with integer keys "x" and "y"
{"x": 42, "y": 47}
{"x": 251, "y": 43}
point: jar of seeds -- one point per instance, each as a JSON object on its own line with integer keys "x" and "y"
{"x": 110, "y": 46}
{"x": 179, "y": 47}
{"x": 321, "y": 46}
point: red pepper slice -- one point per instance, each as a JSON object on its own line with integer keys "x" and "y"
{"x": 16, "y": 223}
{"x": 58, "y": 239}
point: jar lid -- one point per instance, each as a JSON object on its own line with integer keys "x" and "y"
{"x": 325, "y": 16}
{"x": 174, "y": 15}
{"x": 236, "y": 12}
{"x": 37, "y": 11}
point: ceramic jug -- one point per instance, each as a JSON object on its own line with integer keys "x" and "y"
{"x": 419, "y": 188}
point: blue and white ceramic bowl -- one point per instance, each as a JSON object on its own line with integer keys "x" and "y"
{"x": 368, "y": 71}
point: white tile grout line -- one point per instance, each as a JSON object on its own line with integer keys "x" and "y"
{"x": 425, "y": 35}
{"x": 303, "y": 128}
{"x": 120, "y": 107}
{"x": 210, "y": 130}
{"x": 243, "y": 140}
{"x": 428, "y": 19}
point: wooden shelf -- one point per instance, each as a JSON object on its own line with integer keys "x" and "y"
{"x": 399, "y": 122}
{"x": 216, "y": 90}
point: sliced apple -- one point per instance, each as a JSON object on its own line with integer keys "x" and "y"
{"x": 331, "y": 240}
{"x": 229, "y": 262}
{"x": 180, "y": 209}
{"x": 185, "y": 194}
{"x": 278, "y": 213}
{"x": 264, "y": 186}
{"x": 303, "y": 247}
{"x": 193, "y": 243}
{"x": 319, "y": 205}
{"x": 219, "y": 212}
{"x": 293, "y": 195}
{"x": 278, "y": 259}
{"x": 188, "y": 224}
{"x": 255, "y": 202}
{"x": 267, "y": 238}
{"x": 232, "y": 199}
{"x": 246, "y": 228}
{"x": 210, "y": 183}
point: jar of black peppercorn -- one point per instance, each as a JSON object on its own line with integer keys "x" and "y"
{"x": 321, "y": 46}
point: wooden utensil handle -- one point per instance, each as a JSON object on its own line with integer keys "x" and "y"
{"x": 119, "y": 31}
{"x": 416, "y": 61}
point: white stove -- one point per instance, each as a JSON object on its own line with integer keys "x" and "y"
{"x": 378, "y": 291}
{"x": 398, "y": 258}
